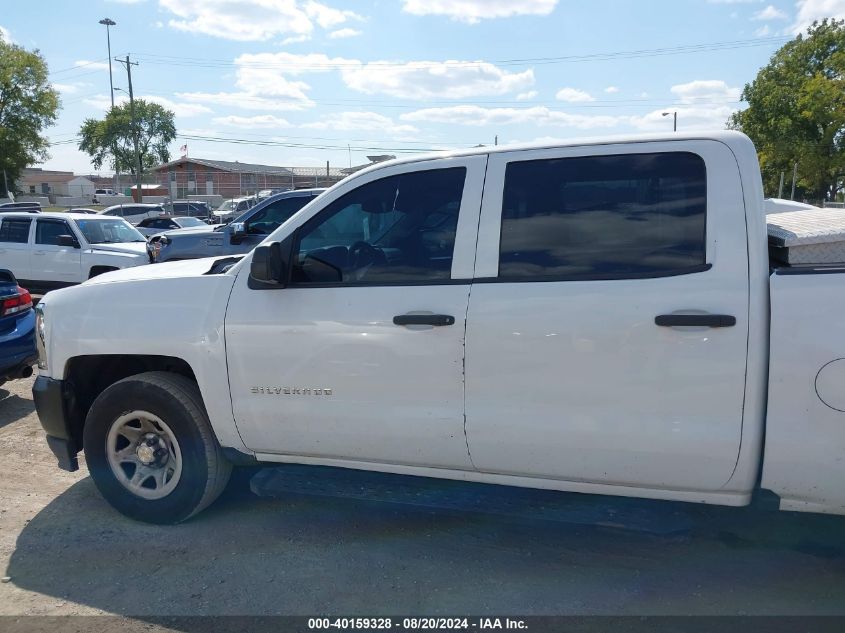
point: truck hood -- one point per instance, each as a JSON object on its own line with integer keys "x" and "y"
{"x": 167, "y": 270}
{"x": 126, "y": 248}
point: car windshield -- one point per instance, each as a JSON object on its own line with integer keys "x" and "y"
{"x": 189, "y": 222}
{"x": 227, "y": 207}
{"x": 111, "y": 231}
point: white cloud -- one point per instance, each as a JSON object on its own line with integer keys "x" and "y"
{"x": 327, "y": 17}
{"x": 253, "y": 20}
{"x": 430, "y": 80}
{"x": 179, "y": 109}
{"x": 6, "y": 35}
{"x": 811, "y": 10}
{"x": 66, "y": 88}
{"x": 690, "y": 118}
{"x": 537, "y": 115}
{"x": 705, "y": 90}
{"x": 526, "y": 96}
{"x": 705, "y": 104}
{"x": 89, "y": 65}
{"x": 295, "y": 39}
{"x": 261, "y": 121}
{"x": 473, "y": 11}
{"x": 102, "y": 102}
{"x": 343, "y": 33}
{"x": 771, "y": 12}
{"x": 243, "y": 100}
{"x": 763, "y": 31}
{"x": 573, "y": 95}
{"x": 350, "y": 121}
{"x": 611, "y": 90}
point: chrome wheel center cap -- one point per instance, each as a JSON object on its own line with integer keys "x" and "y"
{"x": 146, "y": 454}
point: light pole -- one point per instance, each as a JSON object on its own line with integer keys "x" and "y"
{"x": 676, "y": 119}
{"x": 108, "y": 22}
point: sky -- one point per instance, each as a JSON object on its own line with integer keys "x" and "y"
{"x": 302, "y": 82}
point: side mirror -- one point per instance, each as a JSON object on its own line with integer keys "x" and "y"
{"x": 270, "y": 265}
{"x": 67, "y": 240}
{"x": 237, "y": 232}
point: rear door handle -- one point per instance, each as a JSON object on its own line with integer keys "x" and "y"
{"x": 437, "y": 320}
{"x": 695, "y": 320}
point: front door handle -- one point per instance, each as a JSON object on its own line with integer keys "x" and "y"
{"x": 695, "y": 320}
{"x": 437, "y": 320}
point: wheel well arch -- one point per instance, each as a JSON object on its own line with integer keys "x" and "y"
{"x": 86, "y": 377}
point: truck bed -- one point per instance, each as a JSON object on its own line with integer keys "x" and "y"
{"x": 804, "y": 458}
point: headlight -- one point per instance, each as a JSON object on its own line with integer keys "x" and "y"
{"x": 41, "y": 336}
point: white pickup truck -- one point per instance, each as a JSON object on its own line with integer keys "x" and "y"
{"x": 600, "y": 317}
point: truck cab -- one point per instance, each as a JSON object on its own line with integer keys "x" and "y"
{"x": 588, "y": 317}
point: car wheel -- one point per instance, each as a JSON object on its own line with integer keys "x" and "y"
{"x": 151, "y": 451}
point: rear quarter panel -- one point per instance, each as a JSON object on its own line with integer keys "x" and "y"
{"x": 805, "y": 428}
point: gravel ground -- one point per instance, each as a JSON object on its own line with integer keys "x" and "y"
{"x": 65, "y": 552}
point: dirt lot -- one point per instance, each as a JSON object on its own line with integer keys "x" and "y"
{"x": 65, "y": 552}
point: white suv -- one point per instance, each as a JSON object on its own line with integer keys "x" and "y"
{"x": 134, "y": 212}
{"x": 51, "y": 250}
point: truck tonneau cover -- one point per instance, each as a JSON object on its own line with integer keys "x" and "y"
{"x": 807, "y": 237}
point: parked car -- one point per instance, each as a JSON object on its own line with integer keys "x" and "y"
{"x": 53, "y": 250}
{"x": 154, "y": 226}
{"x": 17, "y": 329}
{"x": 104, "y": 192}
{"x": 134, "y": 212}
{"x": 31, "y": 207}
{"x": 230, "y": 209}
{"x": 190, "y": 208}
{"x": 240, "y": 236}
{"x": 597, "y": 317}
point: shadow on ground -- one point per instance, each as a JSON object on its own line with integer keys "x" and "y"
{"x": 304, "y": 555}
{"x": 13, "y": 407}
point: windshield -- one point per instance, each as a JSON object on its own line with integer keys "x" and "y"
{"x": 189, "y": 222}
{"x": 109, "y": 231}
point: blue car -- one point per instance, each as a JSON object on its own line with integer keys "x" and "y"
{"x": 17, "y": 329}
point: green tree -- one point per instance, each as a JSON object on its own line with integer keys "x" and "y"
{"x": 796, "y": 112}
{"x": 111, "y": 141}
{"x": 27, "y": 105}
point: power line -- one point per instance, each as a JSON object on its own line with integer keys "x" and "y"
{"x": 298, "y": 66}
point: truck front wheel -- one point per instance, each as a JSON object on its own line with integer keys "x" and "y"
{"x": 151, "y": 451}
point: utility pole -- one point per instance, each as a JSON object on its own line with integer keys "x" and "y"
{"x": 135, "y": 131}
{"x": 794, "y": 178}
{"x": 780, "y": 188}
{"x": 496, "y": 140}
{"x": 108, "y": 23}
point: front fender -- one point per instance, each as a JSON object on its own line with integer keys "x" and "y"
{"x": 179, "y": 317}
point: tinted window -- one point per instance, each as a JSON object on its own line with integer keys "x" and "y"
{"x": 14, "y": 230}
{"x": 116, "y": 212}
{"x": 274, "y": 215}
{"x": 146, "y": 222}
{"x": 606, "y": 216}
{"x": 48, "y": 231}
{"x": 394, "y": 230}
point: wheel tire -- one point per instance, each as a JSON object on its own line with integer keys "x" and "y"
{"x": 177, "y": 402}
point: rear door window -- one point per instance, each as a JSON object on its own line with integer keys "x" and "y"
{"x": 607, "y": 217}
{"x": 15, "y": 230}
